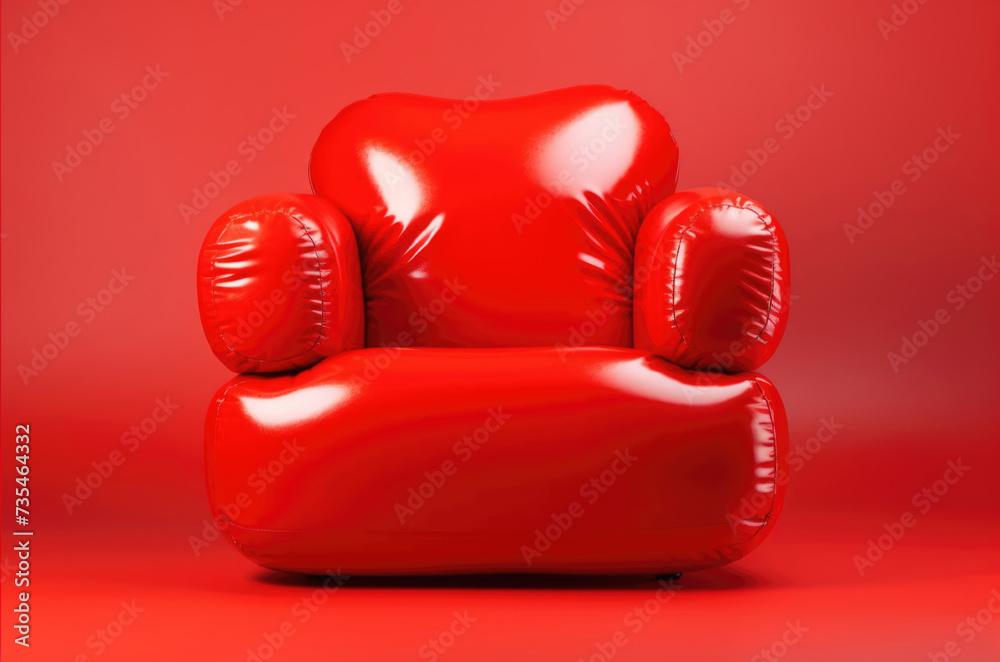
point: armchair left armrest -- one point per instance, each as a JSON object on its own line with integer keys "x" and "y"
{"x": 279, "y": 284}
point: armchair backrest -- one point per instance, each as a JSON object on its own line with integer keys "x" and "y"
{"x": 497, "y": 223}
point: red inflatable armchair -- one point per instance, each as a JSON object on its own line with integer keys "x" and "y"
{"x": 495, "y": 340}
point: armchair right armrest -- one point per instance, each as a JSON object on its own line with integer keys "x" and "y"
{"x": 711, "y": 281}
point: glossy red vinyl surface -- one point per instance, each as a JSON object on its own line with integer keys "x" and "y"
{"x": 496, "y": 263}
{"x": 506, "y": 223}
{"x": 423, "y": 460}
{"x": 279, "y": 284}
{"x": 712, "y": 281}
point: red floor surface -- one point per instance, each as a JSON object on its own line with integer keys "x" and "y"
{"x": 800, "y": 596}
{"x": 797, "y": 596}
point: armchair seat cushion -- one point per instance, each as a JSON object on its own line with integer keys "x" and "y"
{"x": 446, "y": 460}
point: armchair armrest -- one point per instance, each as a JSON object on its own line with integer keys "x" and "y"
{"x": 279, "y": 284}
{"x": 711, "y": 281}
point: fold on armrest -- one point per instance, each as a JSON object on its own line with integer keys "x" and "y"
{"x": 279, "y": 284}
{"x": 711, "y": 281}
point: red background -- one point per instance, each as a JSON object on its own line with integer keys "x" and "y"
{"x": 120, "y": 209}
